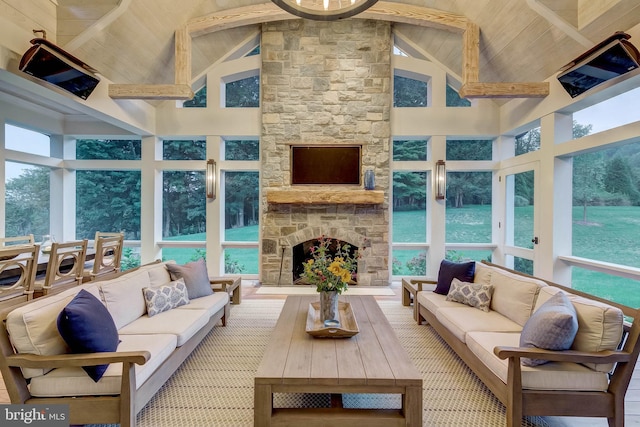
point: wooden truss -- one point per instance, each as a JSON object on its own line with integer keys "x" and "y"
{"x": 382, "y": 10}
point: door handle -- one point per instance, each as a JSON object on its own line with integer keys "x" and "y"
{"x": 535, "y": 240}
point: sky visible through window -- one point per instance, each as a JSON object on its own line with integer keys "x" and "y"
{"x": 26, "y": 141}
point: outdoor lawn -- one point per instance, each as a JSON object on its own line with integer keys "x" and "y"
{"x": 609, "y": 234}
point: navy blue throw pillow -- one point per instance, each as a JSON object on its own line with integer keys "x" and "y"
{"x": 87, "y": 327}
{"x": 463, "y": 271}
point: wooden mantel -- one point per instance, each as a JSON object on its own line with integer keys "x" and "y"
{"x": 324, "y": 196}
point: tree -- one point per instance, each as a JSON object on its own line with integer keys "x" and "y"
{"x": 619, "y": 179}
{"x": 243, "y": 93}
{"x": 27, "y": 203}
{"x": 528, "y": 141}
{"x": 409, "y": 92}
{"x": 409, "y": 190}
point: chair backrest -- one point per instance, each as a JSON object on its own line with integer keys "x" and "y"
{"x": 66, "y": 265}
{"x": 18, "y": 267}
{"x": 17, "y": 240}
{"x": 108, "y": 254}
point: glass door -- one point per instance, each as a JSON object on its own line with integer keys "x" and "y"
{"x": 521, "y": 225}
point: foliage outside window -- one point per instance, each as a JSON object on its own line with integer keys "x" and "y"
{"x": 409, "y": 92}
{"x": 254, "y": 51}
{"x": 408, "y": 150}
{"x": 183, "y": 205}
{"x": 243, "y": 93}
{"x": 454, "y": 100}
{"x": 528, "y": 141}
{"x": 245, "y": 149}
{"x": 409, "y": 223}
{"x": 184, "y": 149}
{"x": 242, "y": 206}
{"x": 472, "y": 149}
{"x": 108, "y": 149}
{"x": 27, "y": 201}
{"x": 468, "y": 212}
{"x": 199, "y": 99}
{"x": 107, "y": 201}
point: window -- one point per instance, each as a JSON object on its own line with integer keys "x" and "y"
{"x": 199, "y": 99}
{"x": 407, "y": 150}
{"x": 468, "y": 213}
{"x": 27, "y": 200}
{"x": 409, "y": 224}
{"x": 242, "y": 205}
{"x": 528, "y": 141}
{"x": 409, "y": 92}
{"x": 600, "y": 117}
{"x": 473, "y": 149}
{"x": 108, "y": 149}
{"x": 183, "y": 207}
{"x": 184, "y": 149}
{"x": 243, "y": 93}
{"x": 248, "y": 149}
{"x": 454, "y": 100}
{"x": 26, "y": 141}
{"x": 108, "y": 200}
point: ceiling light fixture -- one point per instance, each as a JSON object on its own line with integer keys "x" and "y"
{"x": 324, "y": 10}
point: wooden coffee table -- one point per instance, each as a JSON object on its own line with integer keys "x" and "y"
{"x": 373, "y": 361}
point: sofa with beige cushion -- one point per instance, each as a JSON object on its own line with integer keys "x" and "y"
{"x": 586, "y": 376}
{"x": 155, "y": 331}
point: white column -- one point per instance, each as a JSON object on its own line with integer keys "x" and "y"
{"x": 150, "y": 200}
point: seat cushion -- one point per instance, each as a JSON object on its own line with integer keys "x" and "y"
{"x": 432, "y": 301}
{"x": 462, "y": 319}
{"x": 75, "y": 382}
{"x": 211, "y": 304}
{"x": 550, "y": 376}
{"x": 87, "y": 327}
{"x": 182, "y": 323}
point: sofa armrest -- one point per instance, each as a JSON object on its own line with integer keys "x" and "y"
{"x": 606, "y": 356}
{"x": 420, "y": 282}
{"x": 86, "y": 359}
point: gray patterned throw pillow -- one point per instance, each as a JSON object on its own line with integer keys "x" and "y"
{"x": 553, "y": 326}
{"x": 165, "y": 297}
{"x": 475, "y": 295}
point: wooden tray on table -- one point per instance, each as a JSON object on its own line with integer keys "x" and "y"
{"x": 348, "y": 326}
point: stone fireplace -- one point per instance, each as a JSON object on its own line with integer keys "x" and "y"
{"x": 325, "y": 83}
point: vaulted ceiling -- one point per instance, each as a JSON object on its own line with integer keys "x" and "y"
{"x": 520, "y": 40}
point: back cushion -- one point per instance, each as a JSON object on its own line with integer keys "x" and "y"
{"x": 158, "y": 274}
{"x": 599, "y": 325}
{"x": 32, "y": 328}
{"x": 514, "y": 296}
{"x": 123, "y": 297}
{"x": 483, "y": 274}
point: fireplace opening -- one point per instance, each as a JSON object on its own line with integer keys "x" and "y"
{"x": 302, "y": 253}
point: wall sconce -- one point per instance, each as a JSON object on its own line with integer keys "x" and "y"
{"x": 211, "y": 179}
{"x": 441, "y": 180}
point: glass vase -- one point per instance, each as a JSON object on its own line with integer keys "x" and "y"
{"x": 328, "y": 306}
{"x": 47, "y": 241}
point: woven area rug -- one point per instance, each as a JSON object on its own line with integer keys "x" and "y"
{"x": 214, "y": 387}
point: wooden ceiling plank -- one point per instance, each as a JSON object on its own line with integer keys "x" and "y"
{"x": 504, "y": 90}
{"x": 158, "y": 92}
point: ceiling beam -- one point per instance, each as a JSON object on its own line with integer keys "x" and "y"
{"x": 384, "y": 11}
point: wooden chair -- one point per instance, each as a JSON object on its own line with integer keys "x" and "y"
{"x": 18, "y": 267}
{"x": 17, "y": 240}
{"x": 65, "y": 268}
{"x": 108, "y": 248}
